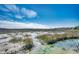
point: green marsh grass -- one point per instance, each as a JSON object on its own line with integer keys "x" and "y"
{"x": 50, "y": 39}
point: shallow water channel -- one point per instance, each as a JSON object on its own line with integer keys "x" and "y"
{"x": 70, "y": 43}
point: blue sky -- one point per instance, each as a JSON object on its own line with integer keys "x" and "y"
{"x": 39, "y": 15}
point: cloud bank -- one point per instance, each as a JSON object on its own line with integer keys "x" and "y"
{"x": 20, "y": 25}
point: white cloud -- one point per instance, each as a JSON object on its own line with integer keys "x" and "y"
{"x": 18, "y": 16}
{"x": 6, "y": 18}
{"x": 17, "y": 12}
{"x": 28, "y": 13}
{"x": 18, "y": 25}
{"x": 20, "y": 11}
{"x": 12, "y": 8}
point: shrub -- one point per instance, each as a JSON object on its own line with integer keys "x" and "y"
{"x": 45, "y": 38}
{"x": 27, "y": 41}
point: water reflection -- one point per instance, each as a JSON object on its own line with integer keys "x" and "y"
{"x": 70, "y": 43}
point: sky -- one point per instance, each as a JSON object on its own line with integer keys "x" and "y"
{"x": 39, "y": 15}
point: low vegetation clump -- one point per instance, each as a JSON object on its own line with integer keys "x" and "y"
{"x": 50, "y": 39}
{"x": 14, "y": 40}
{"x": 45, "y": 38}
{"x": 28, "y": 43}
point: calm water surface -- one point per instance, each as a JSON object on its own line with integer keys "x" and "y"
{"x": 70, "y": 43}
